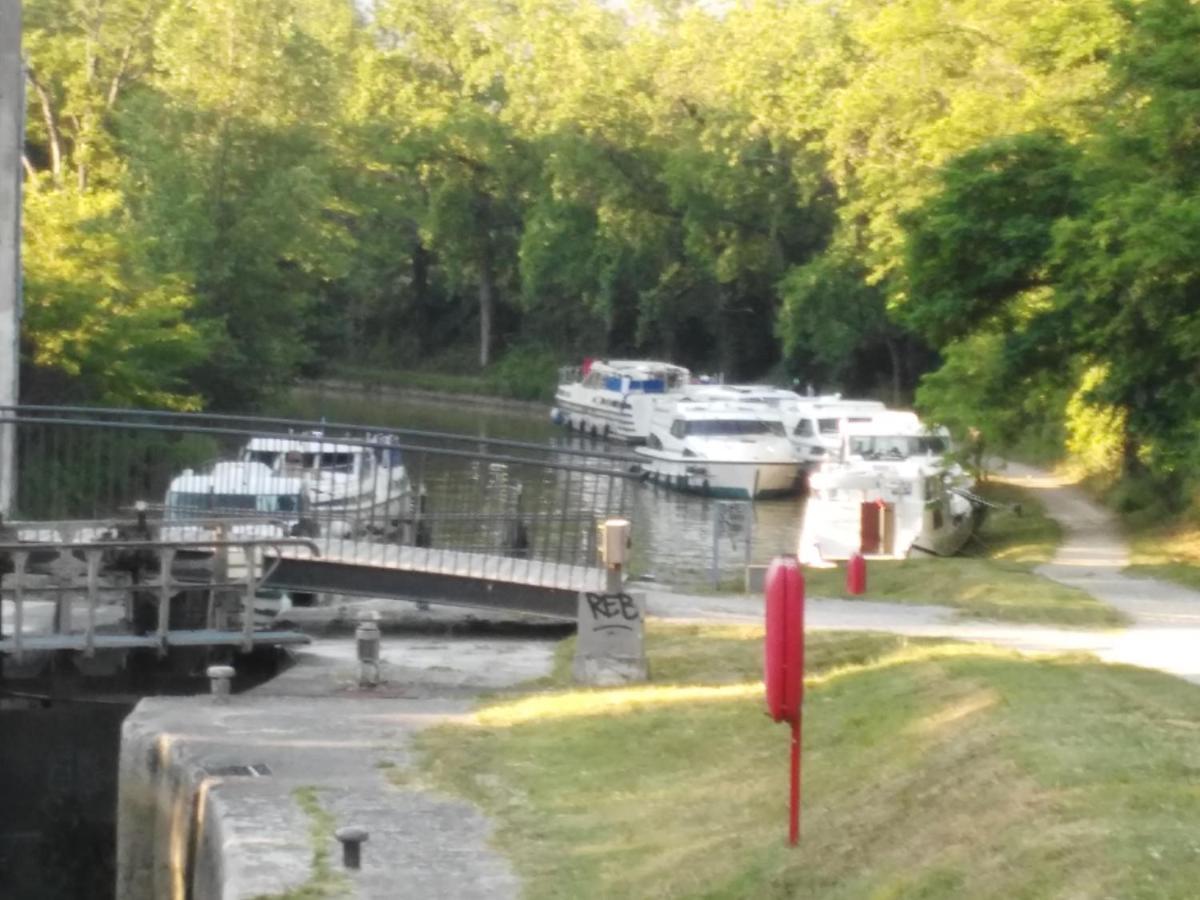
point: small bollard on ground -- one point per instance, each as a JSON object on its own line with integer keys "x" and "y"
{"x": 220, "y": 680}
{"x": 352, "y": 838}
{"x": 368, "y": 638}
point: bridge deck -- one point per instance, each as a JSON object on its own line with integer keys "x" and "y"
{"x": 454, "y": 577}
{"x": 458, "y": 563}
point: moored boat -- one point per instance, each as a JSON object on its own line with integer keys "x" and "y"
{"x": 615, "y": 398}
{"x": 720, "y": 448}
{"x": 355, "y": 482}
{"x": 892, "y": 495}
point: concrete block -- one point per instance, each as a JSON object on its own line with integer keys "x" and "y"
{"x": 611, "y": 644}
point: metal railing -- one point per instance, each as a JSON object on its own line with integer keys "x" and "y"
{"x": 358, "y": 491}
{"x": 136, "y": 593}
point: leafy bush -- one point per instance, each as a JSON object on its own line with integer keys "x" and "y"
{"x": 527, "y": 373}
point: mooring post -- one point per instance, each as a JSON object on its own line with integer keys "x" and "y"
{"x": 220, "y": 680}
{"x": 352, "y": 838}
{"x": 367, "y": 639}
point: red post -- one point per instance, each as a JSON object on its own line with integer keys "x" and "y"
{"x": 783, "y": 664}
{"x": 856, "y": 575}
{"x": 794, "y": 820}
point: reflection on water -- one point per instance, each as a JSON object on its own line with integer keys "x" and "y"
{"x": 673, "y": 537}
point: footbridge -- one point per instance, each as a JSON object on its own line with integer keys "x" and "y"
{"x": 136, "y": 530}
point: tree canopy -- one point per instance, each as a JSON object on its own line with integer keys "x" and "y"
{"x": 995, "y": 204}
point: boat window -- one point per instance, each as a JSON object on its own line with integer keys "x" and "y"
{"x": 934, "y": 444}
{"x": 897, "y": 446}
{"x": 294, "y": 459}
{"x": 181, "y": 505}
{"x": 678, "y": 429}
{"x": 804, "y": 428}
{"x": 266, "y": 457}
{"x": 653, "y": 442}
{"x": 828, "y": 426}
{"x": 727, "y": 427}
{"x": 337, "y": 462}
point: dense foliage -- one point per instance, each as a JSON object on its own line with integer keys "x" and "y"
{"x": 996, "y": 200}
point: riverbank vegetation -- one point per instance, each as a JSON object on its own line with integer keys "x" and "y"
{"x": 988, "y": 207}
{"x": 931, "y": 769}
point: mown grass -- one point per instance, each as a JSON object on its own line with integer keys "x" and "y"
{"x": 992, "y": 579}
{"x": 931, "y": 769}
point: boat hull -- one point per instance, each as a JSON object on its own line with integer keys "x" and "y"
{"x": 741, "y": 480}
{"x": 601, "y": 414}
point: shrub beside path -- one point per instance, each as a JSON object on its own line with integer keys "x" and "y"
{"x": 1165, "y": 633}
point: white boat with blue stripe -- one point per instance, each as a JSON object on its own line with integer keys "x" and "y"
{"x": 614, "y": 399}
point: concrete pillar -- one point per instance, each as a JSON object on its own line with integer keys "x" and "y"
{"x": 12, "y": 121}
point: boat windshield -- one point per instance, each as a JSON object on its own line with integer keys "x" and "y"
{"x": 897, "y": 446}
{"x": 181, "y": 505}
{"x": 734, "y": 427}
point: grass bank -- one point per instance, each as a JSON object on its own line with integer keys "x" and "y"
{"x": 521, "y": 374}
{"x": 993, "y": 578}
{"x": 1170, "y": 552}
{"x": 932, "y": 769}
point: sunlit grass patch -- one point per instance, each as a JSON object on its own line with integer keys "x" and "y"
{"x": 1171, "y": 553}
{"x": 932, "y": 769}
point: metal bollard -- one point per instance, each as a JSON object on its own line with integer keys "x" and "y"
{"x": 367, "y": 638}
{"x": 352, "y": 838}
{"x": 220, "y": 679}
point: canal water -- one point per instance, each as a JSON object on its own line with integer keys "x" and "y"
{"x": 674, "y": 532}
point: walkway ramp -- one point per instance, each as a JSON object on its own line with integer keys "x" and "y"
{"x": 435, "y": 575}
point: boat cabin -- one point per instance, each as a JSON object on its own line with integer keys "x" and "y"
{"x": 301, "y": 456}
{"x": 235, "y": 489}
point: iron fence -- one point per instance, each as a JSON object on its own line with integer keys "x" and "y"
{"x": 354, "y": 489}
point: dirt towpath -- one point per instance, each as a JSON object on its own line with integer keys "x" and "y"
{"x": 1165, "y": 633}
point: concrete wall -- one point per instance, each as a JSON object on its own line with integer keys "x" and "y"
{"x": 177, "y": 831}
{"x": 331, "y": 749}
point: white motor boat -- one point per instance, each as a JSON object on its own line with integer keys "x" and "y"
{"x": 720, "y": 449}
{"x": 816, "y": 424}
{"x": 249, "y": 501}
{"x": 615, "y": 398}
{"x": 355, "y": 483}
{"x": 892, "y": 495}
{"x": 821, "y": 424}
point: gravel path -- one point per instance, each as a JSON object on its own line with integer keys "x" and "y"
{"x": 1165, "y": 633}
